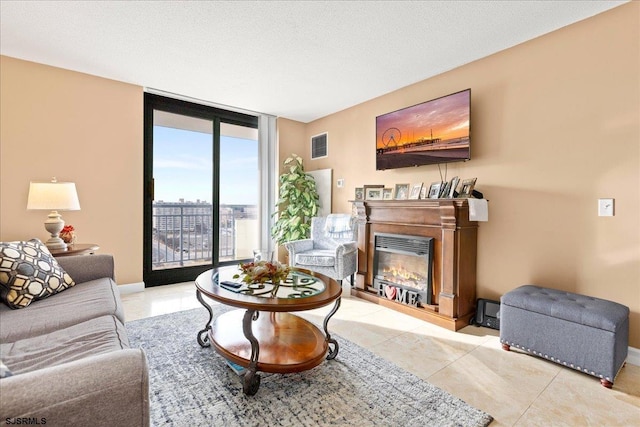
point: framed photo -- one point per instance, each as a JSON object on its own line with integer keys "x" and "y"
{"x": 359, "y": 193}
{"x": 452, "y": 189}
{"x": 402, "y": 191}
{"x": 444, "y": 191}
{"x": 387, "y": 194}
{"x": 373, "y": 192}
{"x": 415, "y": 191}
{"x": 467, "y": 188}
{"x": 423, "y": 192}
{"x": 434, "y": 190}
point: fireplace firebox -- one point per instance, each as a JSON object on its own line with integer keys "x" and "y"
{"x": 402, "y": 268}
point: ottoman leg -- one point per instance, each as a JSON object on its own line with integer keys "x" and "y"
{"x": 506, "y": 347}
{"x": 606, "y": 383}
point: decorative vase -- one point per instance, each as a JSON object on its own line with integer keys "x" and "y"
{"x": 274, "y": 290}
{"x": 68, "y": 237}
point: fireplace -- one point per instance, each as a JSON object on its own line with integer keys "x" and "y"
{"x": 402, "y": 268}
{"x": 453, "y": 255}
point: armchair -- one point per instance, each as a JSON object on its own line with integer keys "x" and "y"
{"x": 331, "y": 250}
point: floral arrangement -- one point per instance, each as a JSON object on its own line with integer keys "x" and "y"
{"x": 263, "y": 271}
{"x": 68, "y": 234}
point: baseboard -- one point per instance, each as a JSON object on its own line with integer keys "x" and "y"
{"x": 131, "y": 288}
{"x": 633, "y": 357}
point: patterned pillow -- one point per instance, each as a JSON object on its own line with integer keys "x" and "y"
{"x": 29, "y": 272}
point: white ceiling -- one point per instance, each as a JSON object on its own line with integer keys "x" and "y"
{"x": 297, "y": 59}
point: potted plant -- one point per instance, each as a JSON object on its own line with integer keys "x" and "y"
{"x": 298, "y": 202}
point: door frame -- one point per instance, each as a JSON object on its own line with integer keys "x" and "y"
{"x": 216, "y": 115}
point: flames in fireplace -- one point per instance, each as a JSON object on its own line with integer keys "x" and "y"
{"x": 403, "y": 262}
{"x": 404, "y": 277}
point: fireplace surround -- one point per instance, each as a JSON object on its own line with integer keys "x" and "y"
{"x": 454, "y": 246}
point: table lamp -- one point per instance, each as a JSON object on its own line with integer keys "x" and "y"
{"x": 55, "y": 196}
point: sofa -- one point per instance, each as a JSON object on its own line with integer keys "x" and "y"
{"x": 67, "y": 357}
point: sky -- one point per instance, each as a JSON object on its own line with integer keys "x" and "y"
{"x": 183, "y": 167}
{"x": 448, "y": 117}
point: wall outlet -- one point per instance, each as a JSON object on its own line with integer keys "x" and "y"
{"x": 605, "y": 207}
{"x": 340, "y": 182}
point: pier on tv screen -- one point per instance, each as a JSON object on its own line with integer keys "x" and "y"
{"x": 435, "y": 131}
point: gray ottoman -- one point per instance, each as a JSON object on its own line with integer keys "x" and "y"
{"x": 588, "y": 334}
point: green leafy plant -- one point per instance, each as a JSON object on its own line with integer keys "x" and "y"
{"x": 298, "y": 202}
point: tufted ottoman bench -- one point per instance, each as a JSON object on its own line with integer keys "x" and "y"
{"x": 583, "y": 333}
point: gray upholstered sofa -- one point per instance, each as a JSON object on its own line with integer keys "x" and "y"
{"x": 69, "y": 355}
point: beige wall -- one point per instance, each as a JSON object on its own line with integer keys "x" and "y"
{"x": 78, "y": 128}
{"x": 555, "y": 126}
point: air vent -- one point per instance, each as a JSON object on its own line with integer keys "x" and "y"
{"x": 319, "y": 146}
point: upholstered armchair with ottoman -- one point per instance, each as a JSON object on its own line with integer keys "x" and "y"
{"x": 331, "y": 250}
{"x": 63, "y": 345}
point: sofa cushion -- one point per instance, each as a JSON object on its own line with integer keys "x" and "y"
{"x": 100, "y": 335}
{"x": 82, "y": 302}
{"x": 316, "y": 258}
{"x": 29, "y": 272}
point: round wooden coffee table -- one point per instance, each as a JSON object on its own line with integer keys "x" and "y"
{"x": 263, "y": 335}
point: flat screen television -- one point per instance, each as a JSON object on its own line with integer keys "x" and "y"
{"x": 435, "y": 131}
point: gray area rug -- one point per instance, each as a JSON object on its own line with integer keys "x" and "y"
{"x": 193, "y": 386}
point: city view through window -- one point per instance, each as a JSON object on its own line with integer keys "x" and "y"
{"x": 183, "y": 220}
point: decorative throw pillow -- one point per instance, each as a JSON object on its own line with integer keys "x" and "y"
{"x": 29, "y": 272}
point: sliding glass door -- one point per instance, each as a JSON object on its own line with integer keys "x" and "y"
{"x": 202, "y": 187}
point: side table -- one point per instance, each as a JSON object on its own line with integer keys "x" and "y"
{"x": 76, "y": 249}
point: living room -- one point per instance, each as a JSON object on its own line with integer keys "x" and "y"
{"x": 555, "y": 123}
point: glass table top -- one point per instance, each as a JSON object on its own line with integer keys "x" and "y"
{"x": 296, "y": 285}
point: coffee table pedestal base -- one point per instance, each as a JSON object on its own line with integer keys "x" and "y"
{"x": 286, "y": 343}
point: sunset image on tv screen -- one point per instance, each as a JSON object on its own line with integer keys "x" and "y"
{"x": 435, "y": 131}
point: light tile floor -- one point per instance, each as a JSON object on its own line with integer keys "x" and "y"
{"x": 515, "y": 388}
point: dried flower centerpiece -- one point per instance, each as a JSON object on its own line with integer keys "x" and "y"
{"x": 263, "y": 271}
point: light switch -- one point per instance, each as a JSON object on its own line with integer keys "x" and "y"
{"x": 605, "y": 207}
{"x": 340, "y": 182}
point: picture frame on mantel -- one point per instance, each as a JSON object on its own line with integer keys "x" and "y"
{"x": 387, "y": 194}
{"x": 359, "y": 193}
{"x": 444, "y": 191}
{"x": 424, "y": 193}
{"x": 434, "y": 190}
{"x": 467, "y": 188}
{"x": 454, "y": 185}
{"x": 373, "y": 192}
{"x": 415, "y": 191}
{"x": 401, "y": 192}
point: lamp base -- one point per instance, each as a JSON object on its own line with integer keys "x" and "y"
{"x": 56, "y": 243}
{"x": 54, "y": 225}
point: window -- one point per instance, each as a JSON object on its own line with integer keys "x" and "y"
{"x": 206, "y": 187}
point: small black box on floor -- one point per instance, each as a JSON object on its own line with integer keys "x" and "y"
{"x": 487, "y": 314}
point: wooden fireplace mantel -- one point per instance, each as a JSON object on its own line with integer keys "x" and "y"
{"x": 454, "y": 255}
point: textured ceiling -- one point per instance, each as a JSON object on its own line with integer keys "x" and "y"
{"x": 297, "y": 59}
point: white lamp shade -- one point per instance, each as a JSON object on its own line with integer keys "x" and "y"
{"x": 58, "y": 196}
